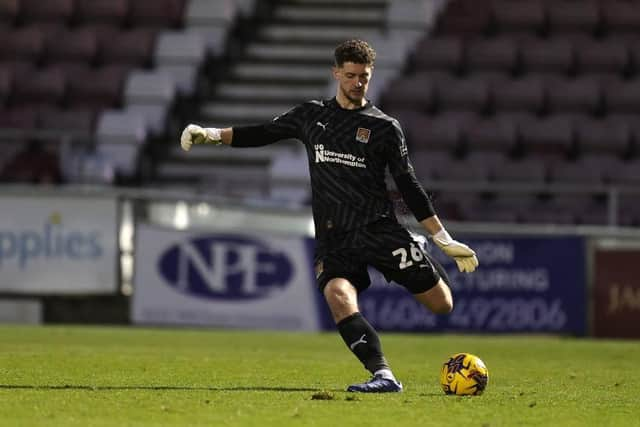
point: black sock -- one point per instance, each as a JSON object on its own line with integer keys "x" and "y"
{"x": 363, "y": 341}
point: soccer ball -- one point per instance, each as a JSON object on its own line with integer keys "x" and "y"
{"x": 464, "y": 374}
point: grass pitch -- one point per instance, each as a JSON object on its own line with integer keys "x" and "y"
{"x": 99, "y": 376}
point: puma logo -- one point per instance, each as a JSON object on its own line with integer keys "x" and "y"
{"x": 360, "y": 341}
{"x": 323, "y": 126}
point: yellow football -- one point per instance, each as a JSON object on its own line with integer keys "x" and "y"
{"x": 464, "y": 374}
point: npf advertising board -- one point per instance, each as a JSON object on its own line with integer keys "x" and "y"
{"x": 58, "y": 245}
{"x": 236, "y": 280}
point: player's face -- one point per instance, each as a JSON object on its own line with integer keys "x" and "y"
{"x": 353, "y": 81}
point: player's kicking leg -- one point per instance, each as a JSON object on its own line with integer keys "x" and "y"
{"x": 360, "y": 337}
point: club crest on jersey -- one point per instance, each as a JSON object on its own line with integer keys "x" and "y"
{"x": 362, "y": 135}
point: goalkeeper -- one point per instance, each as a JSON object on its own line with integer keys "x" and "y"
{"x": 350, "y": 143}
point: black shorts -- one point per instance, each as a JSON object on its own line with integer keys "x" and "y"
{"x": 384, "y": 245}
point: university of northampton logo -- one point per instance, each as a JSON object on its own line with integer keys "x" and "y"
{"x": 362, "y": 135}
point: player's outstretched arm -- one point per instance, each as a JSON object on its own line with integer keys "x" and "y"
{"x": 194, "y": 134}
{"x": 463, "y": 255}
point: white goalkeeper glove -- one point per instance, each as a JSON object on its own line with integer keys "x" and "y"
{"x": 194, "y": 134}
{"x": 463, "y": 255}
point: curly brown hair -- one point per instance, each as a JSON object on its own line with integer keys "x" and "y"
{"x": 356, "y": 51}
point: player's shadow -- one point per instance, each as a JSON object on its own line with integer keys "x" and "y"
{"x": 155, "y": 388}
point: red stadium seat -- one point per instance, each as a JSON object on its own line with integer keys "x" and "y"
{"x": 8, "y": 12}
{"x": 608, "y": 56}
{"x": 626, "y": 173}
{"x": 527, "y": 170}
{"x": 499, "y": 54}
{"x": 25, "y": 44}
{"x": 465, "y": 18}
{"x": 553, "y": 55}
{"x": 467, "y": 170}
{"x": 97, "y": 89}
{"x": 416, "y": 91}
{"x": 431, "y": 164}
{"x": 552, "y": 136}
{"x": 579, "y": 95}
{"x": 79, "y": 45}
{"x": 580, "y": 172}
{"x": 19, "y": 118}
{"x": 156, "y": 13}
{"x": 519, "y": 16}
{"x": 463, "y": 95}
{"x": 622, "y": 96}
{"x": 499, "y": 133}
{"x": 111, "y": 12}
{"x": 605, "y": 135}
{"x": 525, "y": 94}
{"x": 40, "y": 87}
{"x": 620, "y": 16}
{"x": 546, "y": 212}
{"x": 53, "y": 11}
{"x": 573, "y": 17}
{"x": 5, "y": 84}
{"x": 445, "y": 131}
{"x": 443, "y": 53}
{"x": 132, "y": 47}
{"x": 69, "y": 120}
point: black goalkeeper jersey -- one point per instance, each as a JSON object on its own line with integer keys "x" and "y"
{"x": 348, "y": 153}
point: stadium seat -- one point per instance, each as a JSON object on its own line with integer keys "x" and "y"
{"x": 97, "y": 89}
{"x": 603, "y": 135}
{"x": 445, "y": 131}
{"x": 77, "y": 45}
{"x": 499, "y": 209}
{"x": 527, "y": 170}
{"x": 24, "y": 44}
{"x": 499, "y": 54}
{"x": 629, "y": 211}
{"x": 525, "y": 94}
{"x": 633, "y": 47}
{"x": 574, "y": 95}
{"x": 19, "y": 118}
{"x": 8, "y": 12}
{"x": 467, "y": 169}
{"x": 69, "y": 120}
{"x": 431, "y": 164}
{"x": 51, "y": 11}
{"x": 554, "y": 55}
{"x": 463, "y": 95}
{"x": 212, "y": 20}
{"x": 497, "y": 133}
{"x": 580, "y": 172}
{"x": 519, "y": 16}
{"x": 416, "y": 91}
{"x": 40, "y": 87}
{"x": 622, "y": 96}
{"x": 442, "y": 54}
{"x": 180, "y": 54}
{"x": 546, "y": 212}
{"x": 552, "y": 136}
{"x": 602, "y": 56}
{"x": 409, "y": 120}
{"x": 573, "y": 17}
{"x": 132, "y": 47}
{"x": 465, "y": 18}
{"x": 109, "y": 12}
{"x": 626, "y": 173}
{"x": 620, "y": 17}
{"x": 156, "y": 13}
{"x": 5, "y": 84}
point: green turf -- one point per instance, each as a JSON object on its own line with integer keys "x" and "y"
{"x": 98, "y": 376}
